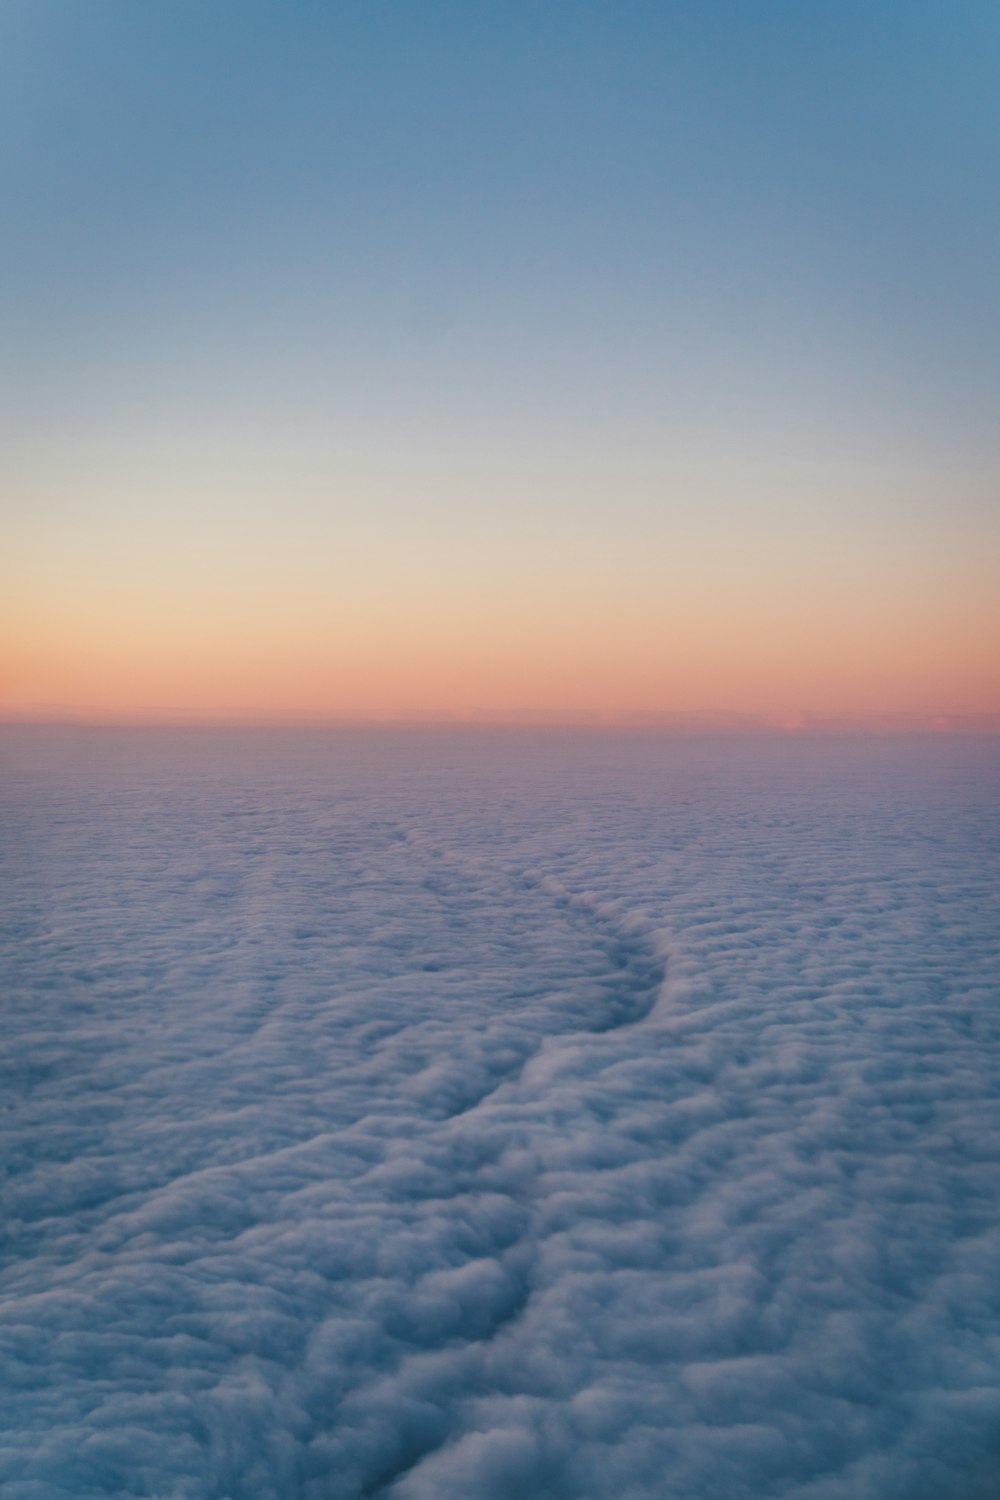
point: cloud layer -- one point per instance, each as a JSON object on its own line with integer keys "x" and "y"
{"x": 450, "y": 1118}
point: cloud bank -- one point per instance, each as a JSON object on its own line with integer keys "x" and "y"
{"x": 419, "y": 1118}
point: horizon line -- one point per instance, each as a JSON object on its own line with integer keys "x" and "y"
{"x": 722, "y": 722}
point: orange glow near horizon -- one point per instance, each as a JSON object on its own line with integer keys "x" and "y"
{"x": 708, "y": 592}
{"x": 592, "y": 644}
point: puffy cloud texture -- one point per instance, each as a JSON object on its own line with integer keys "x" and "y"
{"x": 445, "y": 1117}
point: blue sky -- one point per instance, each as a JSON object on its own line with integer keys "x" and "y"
{"x": 625, "y": 272}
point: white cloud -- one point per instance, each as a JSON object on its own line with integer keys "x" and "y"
{"x": 467, "y": 1118}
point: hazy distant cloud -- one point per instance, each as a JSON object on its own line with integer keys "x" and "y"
{"x": 388, "y": 1122}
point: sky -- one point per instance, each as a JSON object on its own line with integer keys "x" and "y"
{"x": 385, "y": 361}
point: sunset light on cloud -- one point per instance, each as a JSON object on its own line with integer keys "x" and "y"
{"x": 501, "y": 362}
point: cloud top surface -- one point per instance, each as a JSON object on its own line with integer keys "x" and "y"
{"x": 451, "y": 1118}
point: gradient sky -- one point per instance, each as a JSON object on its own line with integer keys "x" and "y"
{"x": 500, "y": 359}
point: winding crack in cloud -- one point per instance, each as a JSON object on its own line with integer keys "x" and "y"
{"x": 414, "y": 1120}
